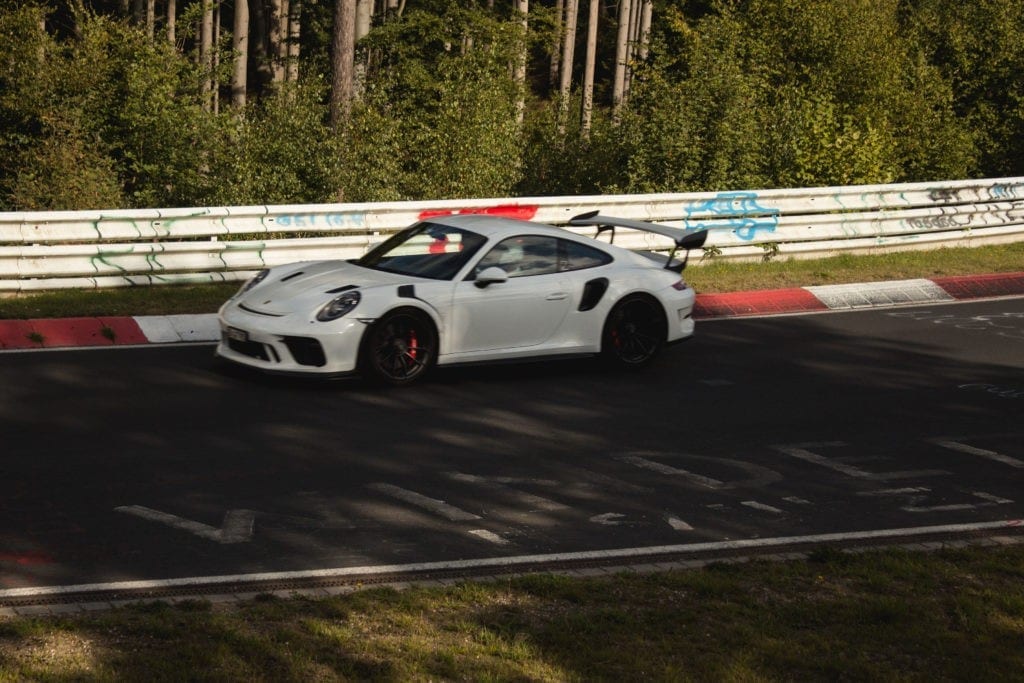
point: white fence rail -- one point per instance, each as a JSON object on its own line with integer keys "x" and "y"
{"x": 86, "y": 249}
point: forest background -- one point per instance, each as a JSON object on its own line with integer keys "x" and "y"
{"x": 145, "y": 103}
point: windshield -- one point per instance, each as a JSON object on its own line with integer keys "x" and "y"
{"x": 427, "y": 250}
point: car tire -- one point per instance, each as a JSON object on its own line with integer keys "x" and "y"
{"x": 399, "y": 348}
{"x": 634, "y": 331}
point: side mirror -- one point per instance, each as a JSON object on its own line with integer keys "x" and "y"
{"x": 491, "y": 276}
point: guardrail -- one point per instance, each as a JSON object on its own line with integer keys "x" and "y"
{"x": 87, "y": 249}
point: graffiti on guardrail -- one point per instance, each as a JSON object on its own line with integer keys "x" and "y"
{"x": 317, "y": 220}
{"x": 739, "y": 212}
{"x": 944, "y": 222}
{"x": 523, "y": 212}
{"x": 995, "y": 191}
{"x": 1006, "y": 191}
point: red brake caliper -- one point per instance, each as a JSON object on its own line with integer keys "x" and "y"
{"x": 414, "y": 350}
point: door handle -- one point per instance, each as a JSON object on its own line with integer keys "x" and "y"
{"x": 557, "y": 296}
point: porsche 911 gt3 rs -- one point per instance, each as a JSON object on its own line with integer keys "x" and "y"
{"x": 462, "y": 289}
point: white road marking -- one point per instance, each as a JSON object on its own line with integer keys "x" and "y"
{"x": 661, "y": 468}
{"x": 237, "y": 527}
{"x": 761, "y": 506}
{"x": 796, "y": 500}
{"x": 498, "y": 484}
{"x": 608, "y": 519}
{"x": 678, "y": 524}
{"x": 489, "y": 536}
{"x": 524, "y": 480}
{"x": 988, "y": 497}
{"x": 438, "y": 507}
{"x": 939, "y": 508}
{"x": 991, "y": 498}
{"x": 980, "y": 452}
{"x": 619, "y": 554}
{"x": 800, "y": 452}
{"x": 895, "y": 492}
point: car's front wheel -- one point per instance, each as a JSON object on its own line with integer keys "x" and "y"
{"x": 634, "y": 332}
{"x": 399, "y": 348}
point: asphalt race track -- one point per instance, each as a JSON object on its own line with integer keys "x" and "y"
{"x": 154, "y": 463}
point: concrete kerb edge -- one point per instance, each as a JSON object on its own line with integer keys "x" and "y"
{"x": 204, "y": 328}
{"x": 221, "y": 600}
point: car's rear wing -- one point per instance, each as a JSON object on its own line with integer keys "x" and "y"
{"x": 683, "y": 239}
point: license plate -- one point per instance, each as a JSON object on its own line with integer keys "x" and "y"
{"x": 236, "y": 334}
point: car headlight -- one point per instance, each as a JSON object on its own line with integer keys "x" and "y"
{"x": 253, "y": 281}
{"x": 339, "y": 306}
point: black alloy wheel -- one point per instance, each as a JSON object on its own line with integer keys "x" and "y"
{"x": 634, "y": 332}
{"x": 400, "y": 347}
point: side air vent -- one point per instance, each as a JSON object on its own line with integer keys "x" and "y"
{"x": 341, "y": 289}
{"x": 293, "y": 275}
{"x": 592, "y": 293}
{"x": 407, "y": 291}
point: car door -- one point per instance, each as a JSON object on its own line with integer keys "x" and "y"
{"x": 524, "y": 311}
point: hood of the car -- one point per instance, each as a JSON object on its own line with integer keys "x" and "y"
{"x": 309, "y": 285}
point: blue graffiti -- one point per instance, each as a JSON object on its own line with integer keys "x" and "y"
{"x": 1004, "y": 191}
{"x": 330, "y": 220}
{"x": 736, "y": 211}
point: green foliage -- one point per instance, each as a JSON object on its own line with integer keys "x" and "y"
{"x": 280, "y": 152}
{"x": 444, "y": 102}
{"x": 565, "y": 161}
{"x": 66, "y": 170}
{"x": 977, "y": 49}
{"x": 704, "y": 130}
{"x": 734, "y": 94}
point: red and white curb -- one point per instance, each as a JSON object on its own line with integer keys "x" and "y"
{"x": 172, "y": 329}
{"x": 857, "y": 296}
{"x": 114, "y": 331}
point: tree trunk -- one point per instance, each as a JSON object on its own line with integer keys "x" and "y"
{"x": 151, "y": 18}
{"x": 214, "y": 84}
{"x": 284, "y": 30}
{"x": 634, "y": 40}
{"x": 206, "y": 50}
{"x": 239, "y": 72}
{"x": 645, "y": 29}
{"x": 588, "y": 68}
{"x": 522, "y": 8}
{"x": 277, "y": 7}
{"x": 259, "y": 40}
{"x": 364, "y": 20}
{"x": 364, "y": 17}
{"x": 568, "y": 53}
{"x": 621, "y": 58}
{"x": 343, "y": 60}
{"x": 556, "y": 46}
{"x": 294, "y": 32}
{"x": 172, "y": 18}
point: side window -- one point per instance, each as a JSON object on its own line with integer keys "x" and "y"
{"x": 576, "y": 256}
{"x": 522, "y": 256}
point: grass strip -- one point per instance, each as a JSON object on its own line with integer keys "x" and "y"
{"x": 881, "y": 615}
{"x": 710, "y": 276}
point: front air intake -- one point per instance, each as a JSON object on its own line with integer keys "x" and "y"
{"x": 306, "y": 351}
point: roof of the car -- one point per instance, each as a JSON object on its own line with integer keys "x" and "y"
{"x": 499, "y": 226}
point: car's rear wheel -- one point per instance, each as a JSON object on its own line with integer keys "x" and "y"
{"x": 400, "y": 347}
{"x": 634, "y": 332}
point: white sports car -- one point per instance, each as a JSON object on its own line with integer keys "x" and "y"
{"x": 462, "y": 289}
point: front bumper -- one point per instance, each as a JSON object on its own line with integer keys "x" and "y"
{"x": 287, "y": 345}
